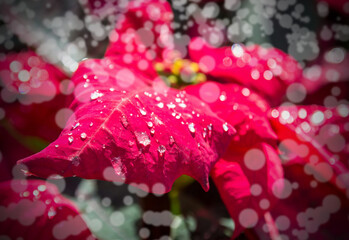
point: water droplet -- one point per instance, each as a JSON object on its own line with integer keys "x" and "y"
{"x": 204, "y": 133}
{"x": 182, "y": 105}
{"x": 70, "y": 139}
{"x": 111, "y": 89}
{"x": 56, "y": 145}
{"x": 161, "y": 150}
{"x": 191, "y": 127}
{"x": 131, "y": 143}
{"x": 42, "y": 188}
{"x": 225, "y": 127}
{"x": 96, "y": 94}
{"x": 152, "y": 132}
{"x": 199, "y": 145}
{"x": 76, "y": 125}
{"x": 124, "y": 121}
{"x": 83, "y": 136}
{"x": 223, "y": 97}
{"x": 91, "y": 124}
{"x": 51, "y": 213}
{"x": 171, "y": 105}
{"x": 103, "y": 146}
{"x": 172, "y": 141}
{"x": 150, "y": 124}
{"x": 75, "y": 161}
{"x": 160, "y": 105}
{"x": 143, "y": 138}
{"x": 143, "y": 112}
{"x": 210, "y": 127}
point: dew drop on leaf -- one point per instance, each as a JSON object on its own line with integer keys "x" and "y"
{"x": 161, "y": 150}
{"x": 70, "y": 139}
{"x": 83, "y": 136}
{"x": 209, "y": 127}
{"x": 191, "y": 127}
{"x": 142, "y": 138}
{"x": 204, "y": 133}
{"x": 124, "y": 121}
{"x": 225, "y": 127}
{"x": 76, "y": 125}
{"x": 96, "y": 95}
{"x": 143, "y": 112}
{"x": 172, "y": 141}
{"x": 160, "y": 105}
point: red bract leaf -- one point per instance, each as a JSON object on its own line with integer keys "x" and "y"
{"x": 314, "y": 153}
{"x": 34, "y": 209}
{"x": 146, "y": 137}
{"x": 247, "y": 179}
{"x": 142, "y": 34}
{"x": 31, "y": 90}
{"x": 328, "y": 70}
{"x": 106, "y": 73}
{"x": 315, "y": 136}
{"x": 239, "y": 106}
{"x": 312, "y": 209}
{"x": 267, "y": 71}
{"x": 28, "y": 78}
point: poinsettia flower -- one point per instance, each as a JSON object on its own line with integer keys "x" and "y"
{"x": 129, "y": 126}
{"x": 140, "y": 134}
{"x": 34, "y": 209}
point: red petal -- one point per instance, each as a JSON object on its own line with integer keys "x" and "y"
{"x": 267, "y": 71}
{"x": 143, "y": 136}
{"x": 34, "y": 209}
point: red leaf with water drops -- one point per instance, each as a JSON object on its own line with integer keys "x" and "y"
{"x": 142, "y": 35}
{"x": 267, "y": 71}
{"x": 34, "y": 209}
{"x": 145, "y": 137}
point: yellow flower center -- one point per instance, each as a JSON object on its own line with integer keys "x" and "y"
{"x": 180, "y": 72}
